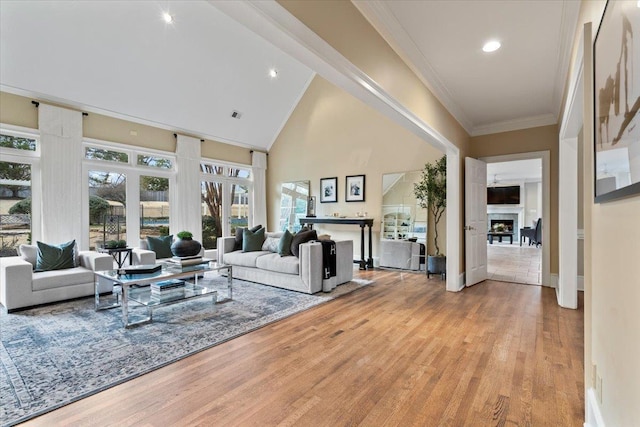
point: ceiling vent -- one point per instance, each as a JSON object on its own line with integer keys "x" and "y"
{"x": 236, "y": 114}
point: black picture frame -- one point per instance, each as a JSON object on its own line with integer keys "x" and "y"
{"x": 354, "y": 188}
{"x": 616, "y": 122}
{"x": 329, "y": 190}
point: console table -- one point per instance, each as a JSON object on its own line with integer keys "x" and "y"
{"x": 362, "y": 222}
{"x": 120, "y": 255}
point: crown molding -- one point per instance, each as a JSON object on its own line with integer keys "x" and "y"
{"x": 386, "y": 24}
{"x": 568, "y": 26}
{"x": 516, "y": 124}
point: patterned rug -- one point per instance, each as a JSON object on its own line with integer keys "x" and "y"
{"x": 57, "y": 354}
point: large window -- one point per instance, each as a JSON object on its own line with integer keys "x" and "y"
{"x": 107, "y": 204}
{"x": 226, "y": 194}
{"x": 130, "y": 187}
{"x": 154, "y": 206}
{"x": 19, "y": 153}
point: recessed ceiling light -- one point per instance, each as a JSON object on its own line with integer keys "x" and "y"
{"x": 273, "y": 73}
{"x": 167, "y": 17}
{"x": 491, "y": 46}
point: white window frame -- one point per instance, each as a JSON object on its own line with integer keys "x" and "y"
{"x": 133, "y": 172}
{"x": 31, "y": 158}
{"x": 227, "y": 181}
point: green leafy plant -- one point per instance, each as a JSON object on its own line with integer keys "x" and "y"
{"x": 431, "y": 192}
{"x": 21, "y": 207}
{"x": 184, "y": 235}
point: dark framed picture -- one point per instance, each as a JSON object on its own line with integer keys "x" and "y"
{"x": 329, "y": 190}
{"x": 616, "y": 100}
{"x": 354, "y": 190}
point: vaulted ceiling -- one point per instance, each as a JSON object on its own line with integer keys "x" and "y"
{"x": 121, "y": 59}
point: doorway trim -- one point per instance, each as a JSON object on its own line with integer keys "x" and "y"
{"x": 545, "y": 156}
{"x": 572, "y": 120}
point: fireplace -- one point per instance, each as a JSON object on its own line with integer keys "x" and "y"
{"x": 507, "y": 225}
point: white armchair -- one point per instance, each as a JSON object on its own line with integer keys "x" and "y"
{"x": 21, "y": 287}
{"x": 400, "y": 254}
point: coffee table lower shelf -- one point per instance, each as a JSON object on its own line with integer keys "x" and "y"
{"x": 136, "y": 289}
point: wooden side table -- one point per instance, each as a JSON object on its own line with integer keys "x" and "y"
{"x": 120, "y": 255}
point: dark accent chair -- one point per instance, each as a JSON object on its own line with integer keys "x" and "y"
{"x": 527, "y": 233}
{"x": 537, "y": 239}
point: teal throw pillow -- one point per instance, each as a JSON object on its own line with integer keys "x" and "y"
{"x": 251, "y": 241}
{"x": 238, "y": 242}
{"x": 160, "y": 245}
{"x": 284, "y": 246}
{"x": 55, "y": 257}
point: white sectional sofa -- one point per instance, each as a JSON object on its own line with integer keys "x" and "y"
{"x": 21, "y": 287}
{"x": 303, "y": 274}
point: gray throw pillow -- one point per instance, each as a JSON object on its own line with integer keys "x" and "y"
{"x": 284, "y": 245}
{"x": 251, "y": 241}
{"x": 302, "y": 237}
{"x": 55, "y": 257}
{"x": 160, "y": 245}
{"x": 238, "y": 243}
{"x": 29, "y": 253}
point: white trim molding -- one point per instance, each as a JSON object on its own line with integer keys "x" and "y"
{"x": 593, "y": 413}
{"x": 516, "y": 124}
{"x": 384, "y": 21}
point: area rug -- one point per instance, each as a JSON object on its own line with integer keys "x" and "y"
{"x": 57, "y": 354}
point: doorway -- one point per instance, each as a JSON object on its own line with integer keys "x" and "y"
{"x": 518, "y": 198}
{"x": 514, "y": 214}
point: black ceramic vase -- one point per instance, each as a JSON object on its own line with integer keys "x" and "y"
{"x": 436, "y": 265}
{"x": 185, "y": 247}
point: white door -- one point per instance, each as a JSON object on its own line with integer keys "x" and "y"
{"x": 475, "y": 214}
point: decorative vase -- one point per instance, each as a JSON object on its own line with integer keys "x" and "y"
{"x": 436, "y": 265}
{"x": 185, "y": 247}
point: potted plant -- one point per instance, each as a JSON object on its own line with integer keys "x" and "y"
{"x": 185, "y": 246}
{"x": 431, "y": 193}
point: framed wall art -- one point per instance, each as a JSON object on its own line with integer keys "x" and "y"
{"x": 328, "y": 190}
{"x": 354, "y": 190}
{"x": 616, "y": 80}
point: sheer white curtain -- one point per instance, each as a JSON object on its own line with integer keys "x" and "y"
{"x": 61, "y": 166}
{"x": 259, "y": 171}
{"x": 185, "y": 206}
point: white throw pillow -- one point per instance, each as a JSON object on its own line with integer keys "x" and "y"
{"x": 271, "y": 244}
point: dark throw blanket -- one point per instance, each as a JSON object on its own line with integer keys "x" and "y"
{"x": 328, "y": 258}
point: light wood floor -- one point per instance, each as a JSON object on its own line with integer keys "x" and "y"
{"x": 400, "y": 352}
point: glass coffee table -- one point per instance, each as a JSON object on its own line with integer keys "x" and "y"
{"x": 136, "y": 288}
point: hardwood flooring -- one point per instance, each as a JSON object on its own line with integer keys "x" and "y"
{"x": 400, "y": 352}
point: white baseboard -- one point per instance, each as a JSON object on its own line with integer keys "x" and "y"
{"x": 593, "y": 415}
{"x": 461, "y": 279}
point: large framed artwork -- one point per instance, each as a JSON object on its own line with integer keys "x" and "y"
{"x": 328, "y": 190}
{"x": 354, "y": 189}
{"x": 616, "y": 79}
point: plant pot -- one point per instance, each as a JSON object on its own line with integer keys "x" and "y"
{"x": 185, "y": 247}
{"x": 436, "y": 265}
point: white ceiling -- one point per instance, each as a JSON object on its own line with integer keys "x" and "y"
{"x": 518, "y": 86}
{"x": 514, "y": 172}
{"x": 120, "y": 58}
